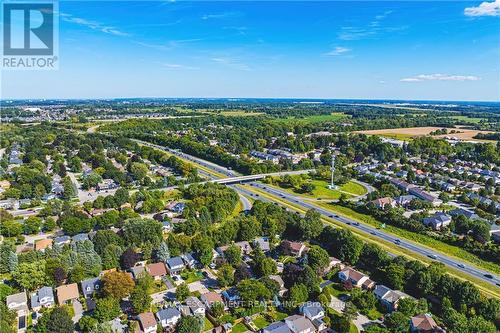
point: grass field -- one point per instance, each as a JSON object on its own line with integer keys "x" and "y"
{"x": 208, "y": 325}
{"x": 323, "y": 192}
{"x": 468, "y": 119}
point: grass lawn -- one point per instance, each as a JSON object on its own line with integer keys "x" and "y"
{"x": 280, "y": 315}
{"x": 323, "y": 192}
{"x": 208, "y": 325}
{"x": 353, "y": 329}
{"x": 419, "y": 238}
{"x": 373, "y": 314}
{"x": 191, "y": 276}
{"x": 239, "y": 328}
{"x": 260, "y": 322}
{"x": 354, "y": 188}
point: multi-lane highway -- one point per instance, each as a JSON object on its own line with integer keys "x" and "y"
{"x": 305, "y": 205}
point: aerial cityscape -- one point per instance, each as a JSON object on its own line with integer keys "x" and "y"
{"x": 238, "y": 167}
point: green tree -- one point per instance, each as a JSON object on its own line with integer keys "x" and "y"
{"x": 141, "y": 301}
{"x": 225, "y": 275}
{"x": 60, "y": 321}
{"x": 189, "y": 324}
{"x": 163, "y": 253}
{"x": 106, "y": 309}
{"x": 182, "y": 292}
{"x": 87, "y": 323}
{"x": 233, "y": 255}
{"x": 30, "y": 275}
{"x": 397, "y": 322}
{"x": 295, "y": 296}
{"x": 318, "y": 258}
{"x": 32, "y": 225}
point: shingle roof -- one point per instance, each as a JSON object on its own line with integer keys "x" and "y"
{"x": 168, "y": 313}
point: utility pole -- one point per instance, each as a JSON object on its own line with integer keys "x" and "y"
{"x": 332, "y": 186}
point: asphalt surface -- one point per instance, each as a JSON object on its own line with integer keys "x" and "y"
{"x": 284, "y": 196}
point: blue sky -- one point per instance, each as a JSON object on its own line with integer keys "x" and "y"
{"x": 333, "y": 49}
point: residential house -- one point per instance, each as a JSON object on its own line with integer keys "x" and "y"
{"x": 404, "y": 200}
{"x": 281, "y": 283}
{"x": 334, "y": 262}
{"x": 381, "y": 203}
{"x": 424, "y": 323}
{"x": 421, "y": 194}
{"x": 42, "y": 298}
{"x": 168, "y": 317}
{"x": 357, "y": 279}
{"x": 299, "y": 324}
{"x": 277, "y": 327}
{"x": 166, "y": 226}
{"x": 137, "y": 271}
{"x": 244, "y": 246}
{"x": 157, "y": 270}
{"x": 195, "y": 305}
{"x": 263, "y": 243}
{"x": 231, "y": 295}
{"x": 79, "y": 238}
{"x": 210, "y": 298}
{"x": 388, "y": 297}
{"x": 43, "y": 244}
{"x": 175, "y": 265}
{"x": 147, "y": 322}
{"x": 437, "y": 221}
{"x": 467, "y": 213}
{"x": 189, "y": 260}
{"x": 18, "y": 303}
{"x": 62, "y": 240}
{"x": 67, "y": 293}
{"x": 90, "y": 286}
{"x": 312, "y": 311}
{"x": 106, "y": 184}
{"x": 295, "y": 249}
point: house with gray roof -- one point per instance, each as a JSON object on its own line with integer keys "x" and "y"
{"x": 388, "y": 297}
{"x": 437, "y": 221}
{"x": 80, "y": 238}
{"x": 42, "y": 298}
{"x": 90, "y": 286}
{"x": 18, "y": 303}
{"x": 277, "y": 327}
{"x": 175, "y": 265}
{"x": 299, "y": 324}
{"x": 189, "y": 260}
{"x": 195, "y": 305}
{"x": 312, "y": 310}
{"x": 168, "y": 317}
{"x": 62, "y": 240}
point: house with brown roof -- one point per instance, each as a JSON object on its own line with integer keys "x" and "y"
{"x": 357, "y": 279}
{"x": 210, "y": 298}
{"x": 157, "y": 270}
{"x": 424, "y": 323}
{"x": 295, "y": 249}
{"x": 66, "y": 293}
{"x": 43, "y": 244}
{"x": 147, "y": 322}
{"x": 381, "y": 203}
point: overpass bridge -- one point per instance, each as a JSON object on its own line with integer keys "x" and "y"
{"x": 251, "y": 178}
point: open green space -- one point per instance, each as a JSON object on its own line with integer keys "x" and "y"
{"x": 239, "y": 328}
{"x": 208, "y": 325}
{"x": 321, "y": 191}
{"x": 466, "y": 119}
{"x": 335, "y": 116}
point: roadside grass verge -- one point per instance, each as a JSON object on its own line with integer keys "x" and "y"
{"x": 418, "y": 238}
{"x": 485, "y": 287}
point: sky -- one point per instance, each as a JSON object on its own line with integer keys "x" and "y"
{"x": 412, "y": 50}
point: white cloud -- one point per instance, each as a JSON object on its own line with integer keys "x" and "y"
{"x": 484, "y": 9}
{"x": 172, "y": 66}
{"x": 233, "y": 63}
{"x": 220, "y": 15}
{"x": 93, "y": 25}
{"x": 339, "y": 50}
{"x": 440, "y": 77}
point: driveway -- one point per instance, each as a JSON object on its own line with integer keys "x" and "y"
{"x": 198, "y": 286}
{"x": 78, "y": 308}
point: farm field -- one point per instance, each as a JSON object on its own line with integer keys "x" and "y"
{"x": 411, "y": 132}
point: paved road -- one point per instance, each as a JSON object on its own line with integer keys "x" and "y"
{"x": 435, "y": 255}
